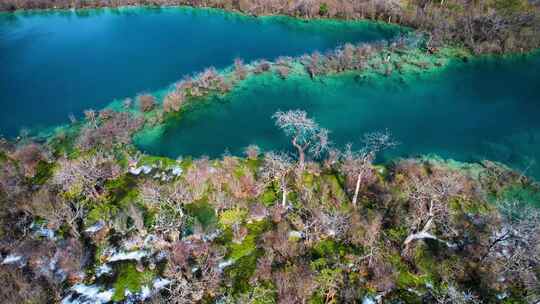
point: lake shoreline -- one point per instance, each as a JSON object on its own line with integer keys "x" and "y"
{"x": 397, "y": 15}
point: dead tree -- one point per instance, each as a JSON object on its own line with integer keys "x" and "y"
{"x": 276, "y": 168}
{"x": 428, "y": 198}
{"x": 359, "y": 163}
{"x": 306, "y": 134}
{"x": 514, "y": 248}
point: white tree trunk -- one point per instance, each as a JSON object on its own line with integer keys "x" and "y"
{"x": 284, "y": 197}
{"x": 357, "y": 189}
{"x": 424, "y": 234}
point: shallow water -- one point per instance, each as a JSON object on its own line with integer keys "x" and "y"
{"x": 484, "y": 109}
{"x": 60, "y": 62}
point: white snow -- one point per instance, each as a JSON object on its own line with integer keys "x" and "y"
{"x": 224, "y": 264}
{"x": 12, "y": 259}
{"x": 103, "y": 269}
{"x": 145, "y": 292}
{"x": 142, "y": 169}
{"x": 89, "y": 295}
{"x": 177, "y": 171}
{"x": 159, "y": 283}
{"x": 122, "y": 256}
{"x": 95, "y": 228}
{"x": 296, "y": 234}
{"x": 368, "y": 300}
{"x": 46, "y": 232}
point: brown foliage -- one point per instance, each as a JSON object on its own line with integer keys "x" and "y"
{"x": 173, "y": 101}
{"x": 147, "y": 102}
{"x": 294, "y": 285}
{"x": 15, "y": 287}
{"x": 240, "y": 70}
{"x": 116, "y": 129}
{"x": 86, "y": 175}
{"x": 29, "y": 156}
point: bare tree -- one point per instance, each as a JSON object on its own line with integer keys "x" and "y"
{"x": 275, "y": 168}
{"x": 86, "y": 176}
{"x": 428, "y": 198}
{"x": 305, "y": 132}
{"x": 91, "y": 116}
{"x": 146, "y": 102}
{"x": 359, "y": 163}
{"x": 252, "y": 151}
{"x": 514, "y": 250}
{"x": 173, "y": 101}
{"x": 240, "y": 70}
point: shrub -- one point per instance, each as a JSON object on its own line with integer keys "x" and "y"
{"x": 323, "y": 9}
{"x": 240, "y": 70}
{"x": 146, "y": 102}
{"x": 173, "y": 101}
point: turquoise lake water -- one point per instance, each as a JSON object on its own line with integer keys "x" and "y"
{"x": 483, "y": 109}
{"x": 60, "y": 62}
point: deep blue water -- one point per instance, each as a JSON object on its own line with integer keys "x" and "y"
{"x": 61, "y": 62}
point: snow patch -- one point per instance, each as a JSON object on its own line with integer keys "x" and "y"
{"x": 88, "y": 295}
{"x": 225, "y": 264}
{"x": 103, "y": 269}
{"x": 13, "y": 259}
{"x": 122, "y": 256}
{"x": 176, "y": 171}
{"x": 142, "y": 169}
{"x": 368, "y": 300}
{"x": 159, "y": 283}
{"x": 95, "y": 228}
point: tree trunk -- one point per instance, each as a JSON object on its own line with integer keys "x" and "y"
{"x": 284, "y": 198}
{"x": 301, "y": 154}
{"x": 357, "y": 189}
{"x": 284, "y": 190}
{"x": 301, "y": 158}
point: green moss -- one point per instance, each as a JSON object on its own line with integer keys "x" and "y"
{"x": 269, "y": 197}
{"x": 510, "y": 6}
{"x": 336, "y": 195}
{"x": 44, "y": 171}
{"x": 323, "y": 9}
{"x": 253, "y": 164}
{"x": 240, "y": 272}
{"x": 249, "y": 244}
{"x": 246, "y": 248}
{"x": 331, "y": 249}
{"x": 264, "y": 294}
{"x": 100, "y": 211}
{"x": 229, "y": 217}
{"x": 122, "y": 191}
{"x": 149, "y": 160}
{"x": 3, "y": 157}
{"x": 128, "y": 278}
{"x": 327, "y": 279}
{"x": 406, "y": 279}
{"x": 64, "y": 142}
{"x": 426, "y": 263}
{"x": 468, "y": 206}
{"x": 203, "y": 212}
